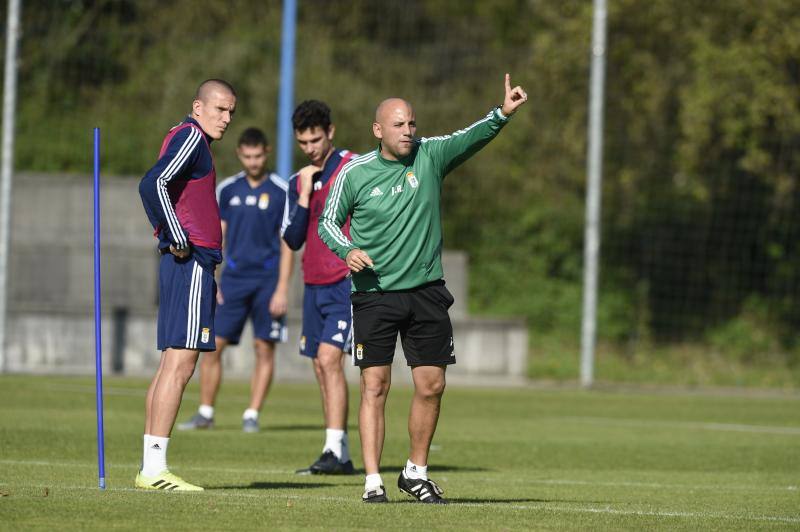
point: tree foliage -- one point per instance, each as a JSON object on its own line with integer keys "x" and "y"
{"x": 700, "y": 194}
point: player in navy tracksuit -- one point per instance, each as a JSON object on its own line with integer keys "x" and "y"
{"x": 255, "y": 277}
{"x": 326, "y": 300}
{"x": 178, "y": 194}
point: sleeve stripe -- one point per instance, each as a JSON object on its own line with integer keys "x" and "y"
{"x": 337, "y": 185}
{"x": 286, "y": 221}
{"x": 333, "y": 205}
{"x": 226, "y": 182}
{"x": 279, "y": 181}
{"x": 336, "y": 232}
{"x": 169, "y": 172}
{"x": 460, "y": 131}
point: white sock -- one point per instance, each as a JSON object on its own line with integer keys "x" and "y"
{"x": 207, "y": 411}
{"x": 155, "y": 455}
{"x": 373, "y": 481}
{"x": 345, "y": 449}
{"x": 333, "y": 442}
{"x": 416, "y": 471}
{"x": 250, "y": 413}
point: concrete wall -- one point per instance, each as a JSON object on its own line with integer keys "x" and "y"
{"x": 51, "y": 327}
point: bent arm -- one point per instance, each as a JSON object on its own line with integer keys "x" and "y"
{"x": 180, "y": 154}
{"x": 295, "y": 217}
{"x": 337, "y": 207}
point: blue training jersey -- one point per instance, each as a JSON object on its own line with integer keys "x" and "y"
{"x": 253, "y": 219}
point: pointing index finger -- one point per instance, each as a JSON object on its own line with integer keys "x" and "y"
{"x": 508, "y": 83}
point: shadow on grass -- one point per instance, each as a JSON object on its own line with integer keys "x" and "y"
{"x": 439, "y": 468}
{"x": 506, "y": 501}
{"x": 275, "y": 486}
{"x": 267, "y": 428}
{"x": 409, "y": 500}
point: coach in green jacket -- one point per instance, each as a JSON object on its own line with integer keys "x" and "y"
{"x": 392, "y": 195}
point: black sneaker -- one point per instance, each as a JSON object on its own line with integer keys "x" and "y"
{"x": 423, "y": 490}
{"x": 375, "y": 495}
{"x": 328, "y": 464}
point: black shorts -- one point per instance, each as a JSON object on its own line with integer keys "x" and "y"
{"x": 419, "y": 315}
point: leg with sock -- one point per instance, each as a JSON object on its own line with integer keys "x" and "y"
{"x": 164, "y": 399}
{"x": 429, "y": 383}
{"x": 335, "y": 458}
{"x": 375, "y": 384}
{"x": 260, "y": 382}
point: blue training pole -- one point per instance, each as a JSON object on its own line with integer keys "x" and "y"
{"x": 286, "y": 94}
{"x": 98, "y": 344}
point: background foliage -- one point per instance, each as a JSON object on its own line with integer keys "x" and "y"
{"x": 700, "y": 198}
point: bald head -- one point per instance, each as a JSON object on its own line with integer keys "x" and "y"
{"x": 391, "y": 106}
{"x": 395, "y": 126}
{"x": 211, "y": 86}
{"x": 213, "y": 107}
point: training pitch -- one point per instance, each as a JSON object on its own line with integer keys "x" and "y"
{"x": 521, "y": 458}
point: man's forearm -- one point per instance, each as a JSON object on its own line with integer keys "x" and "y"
{"x": 285, "y": 268}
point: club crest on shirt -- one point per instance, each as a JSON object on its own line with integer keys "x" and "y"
{"x": 204, "y": 336}
{"x": 359, "y": 351}
{"x": 263, "y": 201}
{"x": 412, "y": 179}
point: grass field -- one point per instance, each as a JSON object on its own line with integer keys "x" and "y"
{"x": 507, "y": 459}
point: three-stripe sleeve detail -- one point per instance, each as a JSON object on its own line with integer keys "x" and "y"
{"x": 336, "y": 194}
{"x": 167, "y": 174}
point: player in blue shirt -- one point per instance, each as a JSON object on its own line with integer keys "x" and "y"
{"x": 255, "y": 278}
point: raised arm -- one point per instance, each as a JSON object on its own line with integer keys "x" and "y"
{"x": 448, "y": 151}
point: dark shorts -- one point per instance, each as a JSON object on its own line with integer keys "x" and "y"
{"x": 186, "y": 304}
{"x": 419, "y": 315}
{"x": 248, "y": 296}
{"x": 326, "y": 317}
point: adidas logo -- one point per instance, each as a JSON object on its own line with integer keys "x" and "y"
{"x": 338, "y": 337}
{"x": 156, "y": 447}
{"x": 375, "y": 192}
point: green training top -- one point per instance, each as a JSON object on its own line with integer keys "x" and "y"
{"x": 395, "y": 207}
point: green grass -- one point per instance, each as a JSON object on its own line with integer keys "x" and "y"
{"x": 508, "y": 459}
{"x": 551, "y": 358}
